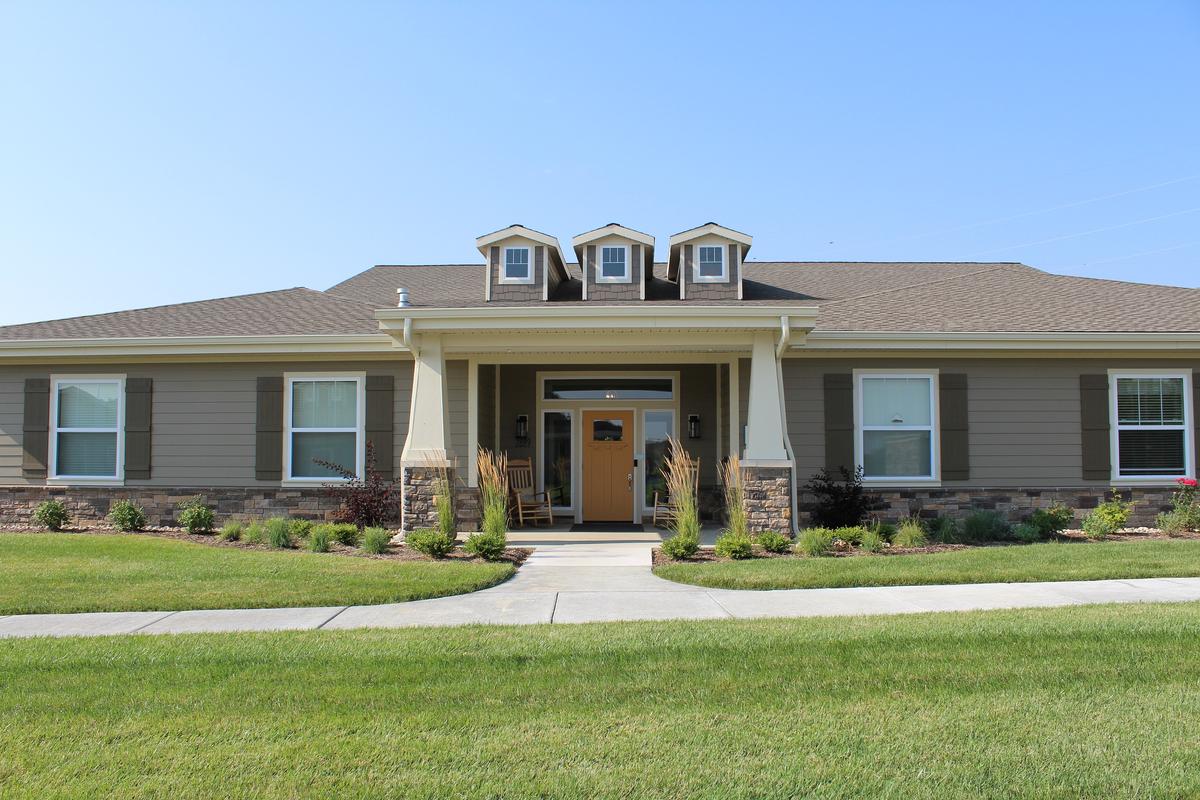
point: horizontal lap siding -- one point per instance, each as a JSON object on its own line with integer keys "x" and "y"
{"x": 456, "y": 385}
{"x": 1024, "y": 421}
{"x": 203, "y": 420}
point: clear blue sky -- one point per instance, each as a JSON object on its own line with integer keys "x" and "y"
{"x": 158, "y": 152}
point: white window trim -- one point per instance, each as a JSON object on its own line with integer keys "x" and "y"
{"x": 723, "y": 277}
{"x": 1115, "y": 428}
{"x": 934, "y": 427}
{"x": 360, "y": 440}
{"x": 504, "y": 278}
{"x": 625, "y": 278}
{"x": 99, "y": 480}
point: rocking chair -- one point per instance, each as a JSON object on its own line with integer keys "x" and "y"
{"x": 529, "y": 504}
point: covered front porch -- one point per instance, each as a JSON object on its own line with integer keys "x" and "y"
{"x": 591, "y": 408}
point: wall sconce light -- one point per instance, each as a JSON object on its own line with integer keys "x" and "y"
{"x": 693, "y": 426}
{"x": 522, "y": 428}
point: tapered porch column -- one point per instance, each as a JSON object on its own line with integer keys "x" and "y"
{"x": 426, "y": 449}
{"x": 767, "y": 463}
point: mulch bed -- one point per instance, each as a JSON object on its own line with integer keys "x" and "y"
{"x": 514, "y": 555}
{"x": 707, "y": 555}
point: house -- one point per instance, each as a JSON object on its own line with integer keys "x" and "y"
{"x": 953, "y": 385}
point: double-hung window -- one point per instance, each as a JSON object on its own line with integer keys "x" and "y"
{"x": 324, "y": 416}
{"x": 710, "y": 264}
{"x": 87, "y": 415}
{"x": 1151, "y": 422}
{"x": 614, "y": 264}
{"x": 896, "y": 426}
{"x": 517, "y": 268}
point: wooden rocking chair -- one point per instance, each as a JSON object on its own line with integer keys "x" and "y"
{"x": 664, "y": 508}
{"x": 529, "y": 504}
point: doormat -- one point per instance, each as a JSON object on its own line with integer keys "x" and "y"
{"x": 607, "y": 527}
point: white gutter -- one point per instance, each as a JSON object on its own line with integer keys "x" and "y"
{"x": 1000, "y": 340}
{"x": 170, "y": 346}
{"x": 785, "y": 336}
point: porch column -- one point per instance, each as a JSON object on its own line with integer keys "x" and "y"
{"x": 767, "y": 464}
{"x": 426, "y": 447}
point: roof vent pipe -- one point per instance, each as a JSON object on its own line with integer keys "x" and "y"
{"x": 402, "y": 298}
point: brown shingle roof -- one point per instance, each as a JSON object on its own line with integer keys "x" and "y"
{"x": 282, "y": 313}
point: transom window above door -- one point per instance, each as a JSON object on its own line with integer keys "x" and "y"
{"x": 710, "y": 264}
{"x": 608, "y": 389}
{"x": 516, "y": 266}
{"x": 614, "y": 264}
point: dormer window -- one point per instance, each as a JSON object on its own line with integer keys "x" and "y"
{"x": 516, "y": 266}
{"x": 614, "y": 264}
{"x": 710, "y": 265}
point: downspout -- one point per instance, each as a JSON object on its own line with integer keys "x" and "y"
{"x": 785, "y": 339}
{"x": 408, "y": 337}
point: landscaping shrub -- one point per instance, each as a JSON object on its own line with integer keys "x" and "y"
{"x": 364, "y": 501}
{"x": 773, "y": 542}
{"x": 430, "y": 541}
{"x": 735, "y": 498}
{"x": 871, "y": 541}
{"x": 300, "y": 528}
{"x": 815, "y": 542}
{"x": 345, "y": 533}
{"x": 682, "y": 491}
{"x": 1108, "y": 517}
{"x": 680, "y": 546}
{"x": 1028, "y": 532}
{"x": 1051, "y": 521}
{"x": 319, "y": 539}
{"x": 852, "y": 534}
{"x": 279, "y": 534}
{"x": 734, "y": 545}
{"x": 886, "y": 530}
{"x": 231, "y": 531}
{"x": 840, "y": 502}
{"x": 944, "y": 530}
{"x": 984, "y": 526}
{"x": 52, "y": 514}
{"x": 254, "y": 533}
{"x": 195, "y": 517}
{"x": 488, "y": 546}
{"x": 911, "y": 533}
{"x": 1185, "y": 512}
{"x": 375, "y": 540}
{"x": 127, "y": 516}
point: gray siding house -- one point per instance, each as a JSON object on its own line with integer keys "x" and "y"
{"x": 952, "y": 385}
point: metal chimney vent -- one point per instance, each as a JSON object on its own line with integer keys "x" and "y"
{"x": 402, "y": 297}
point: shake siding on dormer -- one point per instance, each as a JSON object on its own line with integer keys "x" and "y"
{"x": 726, "y": 290}
{"x": 605, "y": 291}
{"x": 517, "y": 292}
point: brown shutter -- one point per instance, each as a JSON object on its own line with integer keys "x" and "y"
{"x": 539, "y": 255}
{"x": 268, "y": 439}
{"x": 1093, "y": 414}
{"x": 839, "y": 422}
{"x": 952, "y": 405}
{"x": 381, "y": 391}
{"x": 139, "y": 402}
{"x": 590, "y": 272}
{"x": 729, "y": 268}
{"x": 35, "y": 428}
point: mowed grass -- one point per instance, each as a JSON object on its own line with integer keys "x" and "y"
{"x": 1159, "y": 558}
{"x": 69, "y": 572}
{"x": 1099, "y": 701}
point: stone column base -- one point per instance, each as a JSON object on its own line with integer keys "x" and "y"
{"x": 768, "y": 492}
{"x": 420, "y": 487}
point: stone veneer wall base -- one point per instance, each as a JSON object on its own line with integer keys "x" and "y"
{"x": 768, "y": 493}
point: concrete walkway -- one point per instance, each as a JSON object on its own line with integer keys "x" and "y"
{"x": 609, "y": 581}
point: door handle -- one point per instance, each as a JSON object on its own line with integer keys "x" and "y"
{"x": 629, "y": 481}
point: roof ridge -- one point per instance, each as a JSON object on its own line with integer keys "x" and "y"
{"x": 894, "y": 289}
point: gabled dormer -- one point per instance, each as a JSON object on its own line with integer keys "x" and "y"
{"x": 707, "y": 261}
{"x": 523, "y": 264}
{"x": 616, "y": 262}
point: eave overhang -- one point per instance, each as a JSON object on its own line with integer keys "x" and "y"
{"x": 169, "y": 348}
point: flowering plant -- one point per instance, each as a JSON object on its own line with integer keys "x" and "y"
{"x": 1185, "y": 513}
{"x": 1188, "y": 482}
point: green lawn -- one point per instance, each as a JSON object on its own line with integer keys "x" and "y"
{"x": 1159, "y": 558}
{"x": 1099, "y": 701}
{"x": 42, "y": 573}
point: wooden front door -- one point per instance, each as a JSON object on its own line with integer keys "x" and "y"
{"x": 607, "y": 466}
